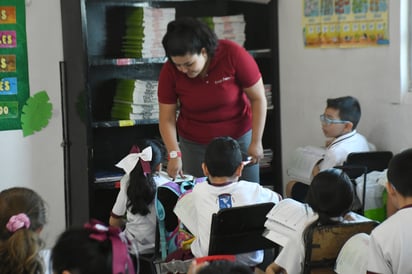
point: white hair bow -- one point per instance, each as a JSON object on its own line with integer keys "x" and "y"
{"x": 130, "y": 161}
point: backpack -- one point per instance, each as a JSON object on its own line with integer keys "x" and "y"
{"x": 172, "y": 233}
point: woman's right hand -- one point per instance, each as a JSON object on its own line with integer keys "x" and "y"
{"x": 174, "y": 167}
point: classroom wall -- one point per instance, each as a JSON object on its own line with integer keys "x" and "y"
{"x": 36, "y": 161}
{"x": 373, "y": 75}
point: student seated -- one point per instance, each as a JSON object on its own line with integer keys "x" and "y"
{"x": 390, "y": 245}
{"x": 223, "y": 166}
{"x": 22, "y": 218}
{"x": 135, "y": 200}
{"x": 329, "y": 199}
{"x": 339, "y": 122}
{"x": 92, "y": 249}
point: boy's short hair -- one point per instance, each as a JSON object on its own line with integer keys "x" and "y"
{"x": 225, "y": 267}
{"x": 223, "y": 157}
{"x": 400, "y": 172}
{"x": 349, "y": 108}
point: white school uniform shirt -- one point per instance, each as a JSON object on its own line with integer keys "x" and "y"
{"x": 337, "y": 152}
{"x": 390, "y": 245}
{"x": 45, "y": 255}
{"x": 206, "y": 202}
{"x": 139, "y": 229}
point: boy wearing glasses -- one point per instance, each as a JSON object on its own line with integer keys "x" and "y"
{"x": 339, "y": 123}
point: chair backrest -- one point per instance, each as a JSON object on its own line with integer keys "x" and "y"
{"x": 324, "y": 243}
{"x": 372, "y": 160}
{"x": 239, "y": 229}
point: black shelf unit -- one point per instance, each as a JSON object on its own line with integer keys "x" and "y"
{"x": 92, "y": 62}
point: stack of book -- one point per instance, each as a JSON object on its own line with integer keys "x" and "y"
{"x": 231, "y": 27}
{"x": 268, "y": 94}
{"x": 145, "y": 28}
{"x": 267, "y": 158}
{"x": 135, "y": 100}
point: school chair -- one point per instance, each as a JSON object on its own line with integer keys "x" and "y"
{"x": 239, "y": 229}
{"x": 360, "y": 164}
{"x": 323, "y": 244}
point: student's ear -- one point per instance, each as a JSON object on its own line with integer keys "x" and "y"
{"x": 392, "y": 194}
{"x": 205, "y": 170}
{"x": 239, "y": 170}
{"x": 390, "y": 189}
{"x": 348, "y": 127}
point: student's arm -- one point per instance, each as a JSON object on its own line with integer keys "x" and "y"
{"x": 273, "y": 268}
{"x": 117, "y": 221}
{"x": 167, "y": 127}
{"x": 257, "y": 98}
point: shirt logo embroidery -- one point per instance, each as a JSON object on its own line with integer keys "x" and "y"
{"x": 222, "y": 80}
{"x": 225, "y": 201}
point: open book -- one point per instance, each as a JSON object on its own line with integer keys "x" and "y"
{"x": 287, "y": 219}
{"x": 303, "y": 161}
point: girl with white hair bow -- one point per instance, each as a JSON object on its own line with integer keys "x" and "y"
{"x": 134, "y": 209}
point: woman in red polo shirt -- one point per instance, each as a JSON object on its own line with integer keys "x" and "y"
{"x": 208, "y": 88}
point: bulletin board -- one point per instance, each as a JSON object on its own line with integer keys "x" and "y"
{"x": 345, "y": 23}
{"x": 14, "y": 78}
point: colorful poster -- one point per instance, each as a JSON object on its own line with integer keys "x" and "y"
{"x": 14, "y": 76}
{"x": 345, "y": 23}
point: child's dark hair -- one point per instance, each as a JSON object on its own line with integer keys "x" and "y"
{"x": 89, "y": 250}
{"x": 187, "y": 35}
{"x": 330, "y": 194}
{"x": 20, "y": 246}
{"x": 349, "y": 108}
{"x": 75, "y": 250}
{"x": 141, "y": 189}
{"x": 223, "y": 157}
{"x": 225, "y": 267}
{"x": 400, "y": 172}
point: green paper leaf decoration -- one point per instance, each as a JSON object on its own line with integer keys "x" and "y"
{"x": 36, "y": 113}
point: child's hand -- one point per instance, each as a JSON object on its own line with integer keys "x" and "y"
{"x": 194, "y": 266}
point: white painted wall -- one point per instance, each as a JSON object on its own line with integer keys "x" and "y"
{"x": 36, "y": 161}
{"x": 309, "y": 76}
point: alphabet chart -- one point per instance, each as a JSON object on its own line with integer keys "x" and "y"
{"x": 345, "y": 23}
{"x": 14, "y": 80}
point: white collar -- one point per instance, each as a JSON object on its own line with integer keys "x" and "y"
{"x": 343, "y": 137}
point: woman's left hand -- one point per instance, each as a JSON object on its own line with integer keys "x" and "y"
{"x": 255, "y": 150}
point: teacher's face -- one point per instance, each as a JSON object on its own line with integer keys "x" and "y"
{"x": 191, "y": 64}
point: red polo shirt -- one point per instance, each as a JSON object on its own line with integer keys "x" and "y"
{"x": 215, "y": 105}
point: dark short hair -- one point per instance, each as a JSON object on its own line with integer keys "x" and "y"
{"x": 349, "y": 108}
{"x": 223, "y": 156}
{"x": 187, "y": 35}
{"x": 225, "y": 267}
{"x": 330, "y": 194}
{"x": 400, "y": 172}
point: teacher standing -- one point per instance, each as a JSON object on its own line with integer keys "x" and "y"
{"x": 208, "y": 88}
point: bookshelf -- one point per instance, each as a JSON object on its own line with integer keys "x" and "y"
{"x": 93, "y": 60}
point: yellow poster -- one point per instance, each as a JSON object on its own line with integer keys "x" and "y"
{"x": 345, "y": 23}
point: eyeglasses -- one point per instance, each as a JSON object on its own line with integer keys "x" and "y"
{"x": 325, "y": 120}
